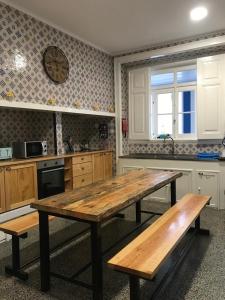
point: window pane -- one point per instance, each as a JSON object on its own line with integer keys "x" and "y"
{"x": 186, "y": 76}
{"x": 186, "y": 123}
{"x": 162, "y": 79}
{"x": 164, "y": 124}
{"x": 186, "y": 101}
{"x": 164, "y": 103}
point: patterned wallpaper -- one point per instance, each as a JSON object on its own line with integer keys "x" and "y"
{"x": 21, "y": 125}
{"x": 23, "y": 41}
{"x": 83, "y": 129}
{"x": 91, "y": 81}
{"x": 158, "y": 146}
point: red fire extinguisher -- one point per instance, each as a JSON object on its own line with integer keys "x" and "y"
{"x": 124, "y": 127}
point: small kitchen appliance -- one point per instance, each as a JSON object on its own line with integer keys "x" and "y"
{"x": 29, "y": 149}
{"x": 5, "y": 153}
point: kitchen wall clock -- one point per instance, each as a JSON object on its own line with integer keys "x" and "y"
{"x": 56, "y": 64}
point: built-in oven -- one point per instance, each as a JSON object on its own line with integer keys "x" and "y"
{"x": 50, "y": 175}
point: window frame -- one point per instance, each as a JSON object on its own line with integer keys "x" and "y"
{"x": 174, "y": 88}
{"x": 190, "y": 136}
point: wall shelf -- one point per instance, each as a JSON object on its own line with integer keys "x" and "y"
{"x": 53, "y": 108}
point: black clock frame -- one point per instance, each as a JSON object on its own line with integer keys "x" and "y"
{"x": 46, "y": 70}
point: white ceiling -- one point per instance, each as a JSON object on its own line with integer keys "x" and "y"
{"x": 117, "y": 26}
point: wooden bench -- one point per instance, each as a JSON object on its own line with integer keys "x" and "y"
{"x": 143, "y": 257}
{"x": 18, "y": 228}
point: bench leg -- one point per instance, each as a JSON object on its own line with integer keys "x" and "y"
{"x": 199, "y": 229}
{"x": 134, "y": 287}
{"x": 173, "y": 192}
{"x": 44, "y": 251}
{"x": 138, "y": 211}
{"x": 15, "y": 269}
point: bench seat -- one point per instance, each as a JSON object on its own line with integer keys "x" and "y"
{"x": 22, "y": 224}
{"x": 18, "y": 229}
{"x": 146, "y": 253}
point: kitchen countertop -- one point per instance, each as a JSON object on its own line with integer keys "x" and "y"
{"x": 16, "y": 161}
{"x": 189, "y": 157}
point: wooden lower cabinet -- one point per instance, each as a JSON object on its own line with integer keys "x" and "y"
{"x": 20, "y": 185}
{"x": 107, "y": 165}
{"x": 102, "y": 166}
{"x": 2, "y": 190}
{"x": 98, "y": 167}
{"x": 82, "y": 180}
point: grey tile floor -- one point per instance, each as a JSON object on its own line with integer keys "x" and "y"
{"x": 201, "y": 276}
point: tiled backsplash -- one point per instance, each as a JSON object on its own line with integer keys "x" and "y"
{"x": 23, "y": 41}
{"x": 21, "y": 125}
{"x": 85, "y": 129}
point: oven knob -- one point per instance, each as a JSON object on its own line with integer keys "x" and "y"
{"x": 56, "y": 163}
{"x": 45, "y": 165}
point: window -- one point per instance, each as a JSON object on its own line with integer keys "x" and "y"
{"x": 174, "y": 102}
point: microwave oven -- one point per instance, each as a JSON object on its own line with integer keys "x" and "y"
{"x": 29, "y": 149}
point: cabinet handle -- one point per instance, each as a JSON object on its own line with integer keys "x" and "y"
{"x": 82, "y": 158}
{"x": 82, "y": 180}
{"x": 200, "y": 173}
{"x": 8, "y": 169}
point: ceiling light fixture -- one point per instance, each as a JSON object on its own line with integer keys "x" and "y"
{"x": 198, "y": 13}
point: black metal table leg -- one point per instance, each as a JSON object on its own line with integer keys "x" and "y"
{"x": 15, "y": 270}
{"x": 173, "y": 192}
{"x": 199, "y": 229}
{"x": 44, "y": 251}
{"x": 134, "y": 288}
{"x": 197, "y": 223}
{"x": 138, "y": 211}
{"x": 96, "y": 254}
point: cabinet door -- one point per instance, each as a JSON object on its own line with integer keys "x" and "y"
{"x": 98, "y": 167}
{"x": 107, "y": 165}
{"x": 207, "y": 183}
{"x": 210, "y": 96}
{"x": 139, "y": 104}
{"x": 2, "y": 190}
{"x": 20, "y": 185}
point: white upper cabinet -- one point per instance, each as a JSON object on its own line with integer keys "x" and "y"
{"x": 211, "y": 97}
{"x": 139, "y": 104}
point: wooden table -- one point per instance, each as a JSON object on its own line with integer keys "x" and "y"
{"x": 94, "y": 204}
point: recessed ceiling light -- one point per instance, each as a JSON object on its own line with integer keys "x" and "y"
{"x": 198, "y": 13}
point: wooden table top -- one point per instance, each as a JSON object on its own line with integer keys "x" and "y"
{"x": 102, "y": 200}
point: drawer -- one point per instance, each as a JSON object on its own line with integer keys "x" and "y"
{"x": 83, "y": 180}
{"x": 81, "y": 159}
{"x": 81, "y": 169}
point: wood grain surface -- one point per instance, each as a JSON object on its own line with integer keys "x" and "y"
{"x": 21, "y": 224}
{"x": 102, "y": 200}
{"x": 146, "y": 253}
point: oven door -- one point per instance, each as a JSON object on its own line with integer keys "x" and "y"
{"x": 50, "y": 181}
{"x": 34, "y": 149}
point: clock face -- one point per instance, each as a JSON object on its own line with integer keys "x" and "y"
{"x": 56, "y": 64}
